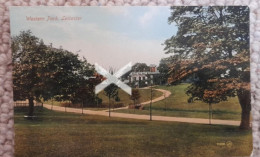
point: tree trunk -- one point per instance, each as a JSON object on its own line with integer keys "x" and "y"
{"x": 31, "y": 107}
{"x": 245, "y": 103}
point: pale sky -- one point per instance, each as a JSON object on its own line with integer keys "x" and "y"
{"x": 109, "y": 36}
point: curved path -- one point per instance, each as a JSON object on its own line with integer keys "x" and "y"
{"x": 145, "y": 117}
{"x": 165, "y": 94}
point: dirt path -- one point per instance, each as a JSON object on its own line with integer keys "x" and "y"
{"x": 166, "y": 94}
{"x": 145, "y": 117}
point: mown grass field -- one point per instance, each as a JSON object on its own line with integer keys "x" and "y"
{"x": 177, "y": 105}
{"x": 59, "y": 134}
{"x": 124, "y": 98}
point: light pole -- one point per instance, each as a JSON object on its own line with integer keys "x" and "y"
{"x": 97, "y": 100}
{"x": 164, "y": 102}
{"x": 82, "y": 105}
{"x": 210, "y": 113}
{"x": 51, "y": 103}
{"x": 151, "y": 83}
{"x": 109, "y": 107}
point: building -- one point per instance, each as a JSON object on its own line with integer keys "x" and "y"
{"x": 146, "y": 78}
{"x": 153, "y": 68}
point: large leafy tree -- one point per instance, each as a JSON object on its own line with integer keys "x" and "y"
{"x": 69, "y": 77}
{"x": 44, "y": 72}
{"x": 212, "y": 45}
{"x": 28, "y": 59}
{"x": 85, "y": 93}
{"x": 62, "y": 71}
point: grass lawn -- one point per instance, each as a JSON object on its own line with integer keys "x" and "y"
{"x": 124, "y": 98}
{"x": 176, "y": 105}
{"x": 58, "y": 134}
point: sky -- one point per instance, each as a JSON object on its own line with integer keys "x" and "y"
{"x": 109, "y": 36}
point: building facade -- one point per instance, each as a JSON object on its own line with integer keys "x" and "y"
{"x": 143, "y": 79}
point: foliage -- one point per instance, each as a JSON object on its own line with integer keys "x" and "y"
{"x": 85, "y": 93}
{"x": 44, "y": 72}
{"x": 28, "y": 58}
{"x": 28, "y": 68}
{"x": 111, "y": 91}
{"x": 135, "y": 95}
{"x": 212, "y": 43}
{"x": 164, "y": 69}
{"x": 140, "y": 67}
{"x": 137, "y": 67}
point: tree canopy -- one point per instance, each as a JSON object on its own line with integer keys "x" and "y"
{"x": 135, "y": 95}
{"x": 163, "y": 68}
{"x": 140, "y": 67}
{"x": 43, "y": 72}
{"x": 212, "y": 44}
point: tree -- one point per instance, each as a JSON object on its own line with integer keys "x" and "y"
{"x": 85, "y": 84}
{"x": 164, "y": 71}
{"x": 212, "y": 44}
{"x": 44, "y": 72}
{"x": 137, "y": 67}
{"x": 111, "y": 91}
{"x": 140, "y": 67}
{"x": 28, "y": 60}
{"x": 63, "y": 73}
{"x": 135, "y": 96}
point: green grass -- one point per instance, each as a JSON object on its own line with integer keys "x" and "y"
{"x": 58, "y": 134}
{"x": 176, "y": 105}
{"x": 178, "y": 100}
{"x": 124, "y": 98}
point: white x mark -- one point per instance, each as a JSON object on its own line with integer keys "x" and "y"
{"x": 113, "y": 78}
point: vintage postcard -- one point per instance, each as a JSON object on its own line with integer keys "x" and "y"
{"x": 131, "y": 81}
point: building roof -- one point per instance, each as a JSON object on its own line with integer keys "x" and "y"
{"x": 152, "y": 65}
